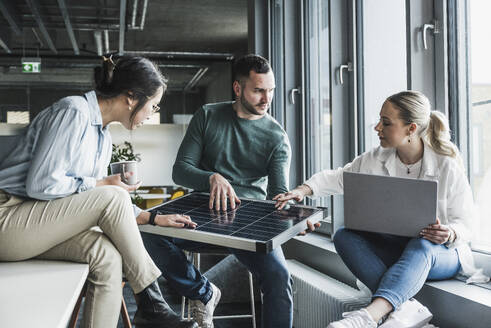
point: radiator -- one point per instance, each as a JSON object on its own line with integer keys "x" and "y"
{"x": 319, "y": 299}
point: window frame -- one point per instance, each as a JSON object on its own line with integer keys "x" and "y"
{"x": 460, "y": 102}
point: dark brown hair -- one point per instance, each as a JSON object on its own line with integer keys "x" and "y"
{"x": 137, "y": 76}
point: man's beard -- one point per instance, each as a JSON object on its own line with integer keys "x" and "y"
{"x": 250, "y": 107}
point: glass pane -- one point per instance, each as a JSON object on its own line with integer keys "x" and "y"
{"x": 277, "y": 60}
{"x": 384, "y": 54}
{"x": 480, "y": 133}
{"x": 318, "y": 90}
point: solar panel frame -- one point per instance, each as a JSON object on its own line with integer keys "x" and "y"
{"x": 242, "y": 238}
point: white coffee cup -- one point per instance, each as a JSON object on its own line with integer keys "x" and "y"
{"x": 127, "y": 170}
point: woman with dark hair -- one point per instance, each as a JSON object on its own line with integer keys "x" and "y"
{"x": 414, "y": 143}
{"x": 57, "y": 204}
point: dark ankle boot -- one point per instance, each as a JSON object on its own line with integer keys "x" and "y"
{"x": 154, "y": 312}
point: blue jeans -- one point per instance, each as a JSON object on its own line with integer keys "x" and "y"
{"x": 393, "y": 267}
{"x": 270, "y": 270}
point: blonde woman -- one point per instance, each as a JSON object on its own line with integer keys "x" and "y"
{"x": 414, "y": 143}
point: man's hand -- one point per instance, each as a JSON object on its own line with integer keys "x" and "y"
{"x": 437, "y": 233}
{"x": 220, "y": 190}
{"x": 115, "y": 180}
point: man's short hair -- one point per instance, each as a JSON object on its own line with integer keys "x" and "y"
{"x": 243, "y": 66}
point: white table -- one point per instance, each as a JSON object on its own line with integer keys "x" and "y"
{"x": 39, "y": 293}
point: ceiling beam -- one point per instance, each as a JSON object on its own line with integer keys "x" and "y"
{"x": 122, "y": 25}
{"x": 41, "y": 44}
{"x": 199, "y": 74}
{"x": 4, "y": 46}
{"x": 68, "y": 25}
{"x": 9, "y": 13}
{"x": 34, "y": 6}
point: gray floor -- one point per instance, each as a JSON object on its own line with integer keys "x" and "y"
{"x": 174, "y": 301}
{"x": 235, "y": 292}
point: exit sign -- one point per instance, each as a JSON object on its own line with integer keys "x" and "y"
{"x": 31, "y": 65}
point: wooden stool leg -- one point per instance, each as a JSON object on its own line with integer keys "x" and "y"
{"x": 76, "y": 310}
{"x": 124, "y": 312}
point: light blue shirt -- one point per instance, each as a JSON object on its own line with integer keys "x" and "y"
{"x": 65, "y": 150}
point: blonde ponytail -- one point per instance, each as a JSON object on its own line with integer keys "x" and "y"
{"x": 438, "y": 136}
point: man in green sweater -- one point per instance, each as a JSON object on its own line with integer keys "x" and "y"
{"x": 233, "y": 149}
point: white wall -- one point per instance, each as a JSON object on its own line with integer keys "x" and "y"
{"x": 384, "y": 57}
{"x": 11, "y": 129}
{"x": 158, "y": 146}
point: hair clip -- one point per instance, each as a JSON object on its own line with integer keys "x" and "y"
{"x": 110, "y": 59}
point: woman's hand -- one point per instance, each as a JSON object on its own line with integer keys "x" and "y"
{"x": 310, "y": 228}
{"x": 175, "y": 220}
{"x": 115, "y": 180}
{"x": 437, "y": 233}
{"x": 296, "y": 194}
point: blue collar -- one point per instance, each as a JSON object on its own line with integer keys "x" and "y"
{"x": 94, "y": 109}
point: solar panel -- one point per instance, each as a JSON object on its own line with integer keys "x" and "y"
{"x": 255, "y": 225}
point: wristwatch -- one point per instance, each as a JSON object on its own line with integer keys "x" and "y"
{"x": 152, "y": 218}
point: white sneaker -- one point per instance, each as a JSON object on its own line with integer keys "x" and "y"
{"x": 411, "y": 314}
{"x": 203, "y": 313}
{"x": 355, "y": 319}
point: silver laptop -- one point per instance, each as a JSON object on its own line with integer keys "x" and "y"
{"x": 397, "y": 206}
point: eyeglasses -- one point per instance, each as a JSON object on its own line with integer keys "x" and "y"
{"x": 155, "y": 108}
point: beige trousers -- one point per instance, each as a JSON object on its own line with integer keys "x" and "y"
{"x": 70, "y": 229}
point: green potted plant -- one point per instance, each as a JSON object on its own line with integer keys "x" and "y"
{"x": 124, "y": 152}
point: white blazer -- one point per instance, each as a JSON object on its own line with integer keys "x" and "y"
{"x": 455, "y": 202}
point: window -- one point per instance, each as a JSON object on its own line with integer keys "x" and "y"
{"x": 18, "y": 117}
{"x": 310, "y": 51}
{"x": 384, "y": 55}
{"x": 318, "y": 89}
{"x": 480, "y": 117}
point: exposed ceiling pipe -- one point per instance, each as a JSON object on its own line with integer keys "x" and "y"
{"x": 144, "y": 13}
{"x": 9, "y": 13}
{"x": 67, "y": 62}
{"x": 106, "y": 41}
{"x": 182, "y": 54}
{"x": 34, "y": 6}
{"x": 89, "y": 7}
{"x": 122, "y": 23}
{"x": 133, "y": 15}
{"x": 83, "y": 26}
{"x": 4, "y": 46}
{"x": 98, "y": 42}
{"x": 78, "y": 27}
{"x": 68, "y": 25}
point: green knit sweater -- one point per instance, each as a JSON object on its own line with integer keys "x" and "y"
{"x": 253, "y": 155}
